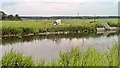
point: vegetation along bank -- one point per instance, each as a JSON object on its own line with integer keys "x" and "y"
{"x": 44, "y": 27}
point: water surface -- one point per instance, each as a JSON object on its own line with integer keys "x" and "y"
{"x": 48, "y": 47}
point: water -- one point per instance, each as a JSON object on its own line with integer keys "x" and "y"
{"x": 48, "y": 47}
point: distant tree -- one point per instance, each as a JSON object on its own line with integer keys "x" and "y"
{"x": 17, "y": 17}
{"x": 3, "y": 15}
{"x": 10, "y": 17}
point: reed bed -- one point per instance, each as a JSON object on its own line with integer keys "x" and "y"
{"x": 73, "y": 57}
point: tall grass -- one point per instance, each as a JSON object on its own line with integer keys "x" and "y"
{"x": 73, "y": 57}
{"x": 40, "y": 26}
{"x": 16, "y": 59}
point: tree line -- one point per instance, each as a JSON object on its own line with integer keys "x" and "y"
{"x": 67, "y": 17}
{"x": 10, "y": 17}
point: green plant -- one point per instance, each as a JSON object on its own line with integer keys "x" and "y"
{"x": 16, "y": 59}
{"x": 73, "y": 57}
{"x": 40, "y": 26}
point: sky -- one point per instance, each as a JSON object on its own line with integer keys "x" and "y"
{"x": 60, "y": 7}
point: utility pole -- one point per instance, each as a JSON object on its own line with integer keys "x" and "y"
{"x": 78, "y": 15}
{"x": 94, "y": 17}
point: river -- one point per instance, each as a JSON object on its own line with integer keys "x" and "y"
{"x": 48, "y": 47}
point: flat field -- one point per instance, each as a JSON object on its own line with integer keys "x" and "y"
{"x": 41, "y": 26}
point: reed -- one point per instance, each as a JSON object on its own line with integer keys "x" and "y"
{"x": 73, "y": 57}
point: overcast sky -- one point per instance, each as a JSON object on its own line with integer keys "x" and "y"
{"x": 60, "y": 7}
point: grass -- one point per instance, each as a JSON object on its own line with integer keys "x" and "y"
{"x": 16, "y": 59}
{"x": 73, "y": 57}
{"x": 41, "y": 26}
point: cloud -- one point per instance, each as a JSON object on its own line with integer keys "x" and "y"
{"x": 0, "y": 6}
{"x": 62, "y": 8}
{"x": 59, "y": 0}
{"x": 42, "y": 8}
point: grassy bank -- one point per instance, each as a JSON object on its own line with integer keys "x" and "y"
{"x": 73, "y": 57}
{"x": 43, "y": 26}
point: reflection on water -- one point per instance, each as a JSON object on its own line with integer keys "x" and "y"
{"x": 48, "y": 47}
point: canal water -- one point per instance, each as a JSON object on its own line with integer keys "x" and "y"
{"x": 48, "y": 47}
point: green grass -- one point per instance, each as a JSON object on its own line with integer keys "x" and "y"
{"x": 73, "y": 57}
{"x": 40, "y": 26}
{"x": 16, "y": 59}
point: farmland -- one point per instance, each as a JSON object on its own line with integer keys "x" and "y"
{"x": 42, "y": 26}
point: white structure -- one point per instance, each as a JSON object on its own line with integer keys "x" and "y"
{"x": 57, "y": 22}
